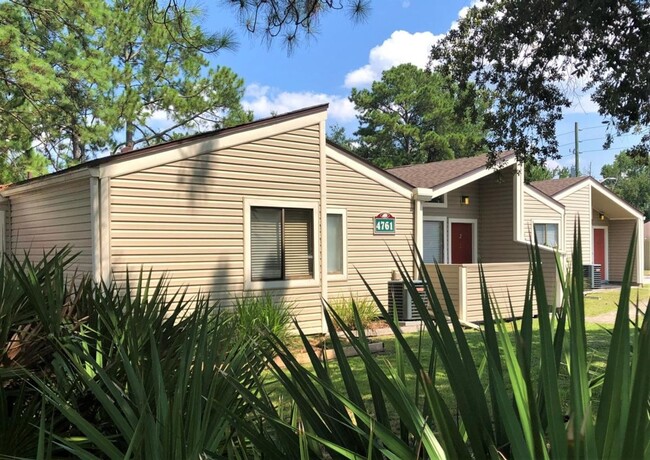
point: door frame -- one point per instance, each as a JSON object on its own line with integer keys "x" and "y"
{"x": 604, "y": 276}
{"x": 474, "y": 223}
{"x": 445, "y": 251}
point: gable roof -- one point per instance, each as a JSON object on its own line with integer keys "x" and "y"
{"x": 552, "y": 187}
{"x": 602, "y": 198}
{"x": 174, "y": 144}
{"x": 438, "y": 173}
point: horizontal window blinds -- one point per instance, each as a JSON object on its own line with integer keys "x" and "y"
{"x": 433, "y": 242}
{"x": 298, "y": 244}
{"x": 266, "y": 243}
{"x": 282, "y": 243}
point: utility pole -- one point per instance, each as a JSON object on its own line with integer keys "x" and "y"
{"x": 577, "y": 152}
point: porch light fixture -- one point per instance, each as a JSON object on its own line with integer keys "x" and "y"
{"x": 464, "y": 200}
{"x": 601, "y": 216}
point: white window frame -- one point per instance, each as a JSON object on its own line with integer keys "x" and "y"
{"x": 559, "y": 234}
{"x": 604, "y": 276}
{"x": 249, "y": 284}
{"x": 474, "y": 223}
{"x": 344, "y": 222}
{"x": 445, "y": 240}
{"x": 429, "y": 204}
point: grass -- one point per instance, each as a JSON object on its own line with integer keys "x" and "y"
{"x": 603, "y": 301}
{"x": 597, "y": 347}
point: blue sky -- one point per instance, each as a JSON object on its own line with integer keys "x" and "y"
{"x": 344, "y": 55}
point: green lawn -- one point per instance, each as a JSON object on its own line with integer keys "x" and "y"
{"x": 597, "y": 342}
{"x": 603, "y": 301}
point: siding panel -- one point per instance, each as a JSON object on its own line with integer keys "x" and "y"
{"x": 577, "y": 208}
{"x": 363, "y": 198}
{"x": 46, "y": 219}
{"x": 620, "y": 235}
{"x": 185, "y": 219}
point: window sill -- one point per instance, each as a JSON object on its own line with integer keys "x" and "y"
{"x": 280, "y": 284}
{"x": 338, "y": 277}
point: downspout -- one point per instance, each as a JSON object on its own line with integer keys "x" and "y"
{"x": 95, "y": 232}
{"x": 323, "y": 221}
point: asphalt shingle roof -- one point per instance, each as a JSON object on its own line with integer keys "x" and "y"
{"x": 552, "y": 187}
{"x": 431, "y": 175}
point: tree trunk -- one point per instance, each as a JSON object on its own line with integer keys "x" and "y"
{"x": 78, "y": 147}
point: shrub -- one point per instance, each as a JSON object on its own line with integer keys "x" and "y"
{"x": 99, "y": 371}
{"x": 345, "y": 307}
{"x": 520, "y": 411}
{"x": 256, "y": 316}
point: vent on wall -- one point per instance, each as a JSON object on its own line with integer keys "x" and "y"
{"x": 399, "y": 298}
{"x": 593, "y": 276}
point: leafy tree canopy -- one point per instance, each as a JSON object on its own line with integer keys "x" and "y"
{"x": 535, "y": 172}
{"x": 292, "y": 20}
{"x": 416, "y": 116}
{"x": 629, "y": 177}
{"x": 338, "y": 135}
{"x": 92, "y": 76}
{"x": 536, "y": 54}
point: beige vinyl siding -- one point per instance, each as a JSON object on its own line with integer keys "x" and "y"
{"x": 496, "y": 242}
{"x": 186, "y": 218}
{"x": 577, "y": 207}
{"x": 495, "y": 228}
{"x": 455, "y": 209}
{"x": 619, "y": 236}
{"x": 5, "y": 206}
{"x": 363, "y": 198}
{"x": 506, "y": 284}
{"x": 53, "y": 217}
{"x": 451, "y": 274}
{"x": 535, "y": 211}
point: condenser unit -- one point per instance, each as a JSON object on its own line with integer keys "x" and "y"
{"x": 399, "y": 298}
{"x": 593, "y": 276}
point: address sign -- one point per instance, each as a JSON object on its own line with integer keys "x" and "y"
{"x": 384, "y": 224}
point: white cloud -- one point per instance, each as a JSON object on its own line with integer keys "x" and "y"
{"x": 582, "y": 104}
{"x": 264, "y": 101}
{"x": 401, "y": 48}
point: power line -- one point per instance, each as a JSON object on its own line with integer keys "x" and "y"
{"x": 581, "y": 129}
{"x": 592, "y": 127}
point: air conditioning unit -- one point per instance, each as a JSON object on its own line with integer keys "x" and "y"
{"x": 593, "y": 276}
{"x": 399, "y": 298}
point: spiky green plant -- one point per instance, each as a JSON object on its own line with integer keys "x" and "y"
{"x": 520, "y": 411}
{"x": 113, "y": 371}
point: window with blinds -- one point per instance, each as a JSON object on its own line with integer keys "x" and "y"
{"x": 547, "y": 234}
{"x": 433, "y": 242}
{"x": 282, "y": 243}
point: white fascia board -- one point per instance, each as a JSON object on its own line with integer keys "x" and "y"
{"x": 472, "y": 176}
{"x": 135, "y": 163}
{"x": 615, "y": 198}
{"x": 539, "y": 196}
{"x": 423, "y": 194}
{"x": 47, "y": 181}
{"x": 378, "y": 176}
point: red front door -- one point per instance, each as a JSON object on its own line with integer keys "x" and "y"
{"x": 599, "y": 251}
{"x": 461, "y": 243}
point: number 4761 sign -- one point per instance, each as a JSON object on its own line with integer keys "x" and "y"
{"x": 384, "y": 224}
